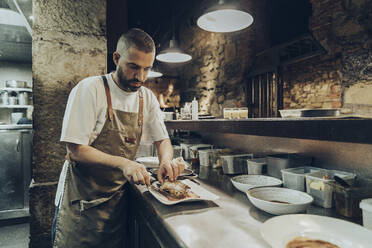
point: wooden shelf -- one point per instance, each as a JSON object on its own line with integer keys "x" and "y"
{"x": 16, "y": 89}
{"x": 355, "y": 130}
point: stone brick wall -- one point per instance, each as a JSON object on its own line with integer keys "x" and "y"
{"x": 312, "y": 84}
{"x": 215, "y": 76}
{"x": 342, "y": 77}
{"x": 69, "y": 44}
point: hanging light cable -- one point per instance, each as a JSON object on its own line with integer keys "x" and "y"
{"x": 173, "y": 54}
{"x": 224, "y": 18}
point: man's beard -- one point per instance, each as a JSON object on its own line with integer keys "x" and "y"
{"x": 125, "y": 83}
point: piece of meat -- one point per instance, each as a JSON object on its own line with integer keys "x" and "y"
{"x": 175, "y": 189}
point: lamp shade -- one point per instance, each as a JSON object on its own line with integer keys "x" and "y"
{"x": 154, "y": 74}
{"x": 173, "y": 54}
{"x": 224, "y": 18}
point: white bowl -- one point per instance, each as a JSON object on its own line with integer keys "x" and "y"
{"x": 148, "y": 162}
{"x": 246, "y": 182}
{"x": 279, "y": 201}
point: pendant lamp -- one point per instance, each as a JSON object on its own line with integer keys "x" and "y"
{"x": 173, "y": 54}
{"x": 224, "y": 18}
{"x": 154, "y": 74}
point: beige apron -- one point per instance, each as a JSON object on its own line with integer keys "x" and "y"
{"x": 92, "y": 210}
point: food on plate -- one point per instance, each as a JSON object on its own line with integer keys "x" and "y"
{"x": 177, "y": 190}
{"x": 302, "y": 242}
{"x": 326, "y": 177}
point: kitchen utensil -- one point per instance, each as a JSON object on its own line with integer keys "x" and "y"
{"x": 16, "y": 84}
{"x": 13, "y": 100}
{"x": 309, "y": 112}
{"x": 23, "y": 98}
{"x": 277, "y": 162}
{"x": 320, "y": 184}
{"x": 234, "y": 164}
{"x": 5, "y": 98}
{"x": 294, "y": 178}
{"x": 246, "y": 182}
{"x": 347, "y": 199}
{"x": 278, "y": 231}
{"x": 197, "y": 189}
{"x": 255, "y": 166}
{"x": 279, "y": 201}
{"x": 341, "y": 181}
{"x": 366, "y": 206}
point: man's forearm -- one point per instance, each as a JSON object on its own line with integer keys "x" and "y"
{"x": 165, "y": 150}
{"x": 90, "y": 155}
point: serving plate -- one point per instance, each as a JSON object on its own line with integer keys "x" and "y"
{"x": 185, "y": 172}
{"x": 246, "y": 182}
{"x": 148, "y": 162}
{"x": 198, "y": 190}
{"x": 279, "y": 201}
{"x": 278, "y": 231}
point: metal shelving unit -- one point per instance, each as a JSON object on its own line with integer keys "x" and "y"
{"x": 16, "y": 89}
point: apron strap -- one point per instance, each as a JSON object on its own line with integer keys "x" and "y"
{"x": 108, "y": 96}
{"x": 140, "y": 111}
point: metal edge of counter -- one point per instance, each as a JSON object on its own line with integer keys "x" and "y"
{"x": 166, "y": 237}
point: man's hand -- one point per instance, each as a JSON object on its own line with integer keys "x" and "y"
{"x": 137, "y": 173}
{"x": 171, "y": 169}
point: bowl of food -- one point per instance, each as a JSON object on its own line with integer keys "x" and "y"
{"x": 246, "y": 182}
{"x": 279, "y": 201}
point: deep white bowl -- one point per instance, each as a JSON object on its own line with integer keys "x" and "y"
{"x": 246, "y": 182}
{"x": 287, "y": 201}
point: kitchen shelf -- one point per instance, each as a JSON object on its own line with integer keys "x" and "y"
{"x": 16, "y": 89}
{"x": 15, "y": 106}
{"x": 355, "y": 130}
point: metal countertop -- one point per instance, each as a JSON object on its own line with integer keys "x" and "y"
{"x": 231, "y": 218}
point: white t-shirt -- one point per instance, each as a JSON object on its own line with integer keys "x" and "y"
{"x": 86, "y": 111}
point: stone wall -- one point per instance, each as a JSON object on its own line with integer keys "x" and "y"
{"x": 312, "y": 84}
{"x": 69, "y": 44}
{"x": 220, "y": 61}
{"x": 342, "y": 77}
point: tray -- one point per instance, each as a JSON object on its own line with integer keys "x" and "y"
{"x": 287, "y": 113}
{"x": 195, "y": 188}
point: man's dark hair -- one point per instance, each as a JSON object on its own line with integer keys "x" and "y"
{"x": 138, "y": 38}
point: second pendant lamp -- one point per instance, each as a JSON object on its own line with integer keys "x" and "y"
{"x": 224, "y": 18}
{"x": 173, "y": 54}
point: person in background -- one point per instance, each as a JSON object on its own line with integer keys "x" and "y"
{"x": 103, "y": 124}
{"x": 169, "y": 99}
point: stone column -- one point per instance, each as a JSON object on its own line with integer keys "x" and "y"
{"x": 68, "y": 44}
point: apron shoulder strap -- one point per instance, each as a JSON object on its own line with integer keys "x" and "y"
{"x": 108, "y": 97}
{"x": 140, "y": 111}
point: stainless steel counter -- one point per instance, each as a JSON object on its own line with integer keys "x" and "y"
{"x": 230, "y": 221}
{"x": 14, "y": 127}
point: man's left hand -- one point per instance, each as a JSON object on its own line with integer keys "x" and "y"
{"x": 171, "y": 169}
